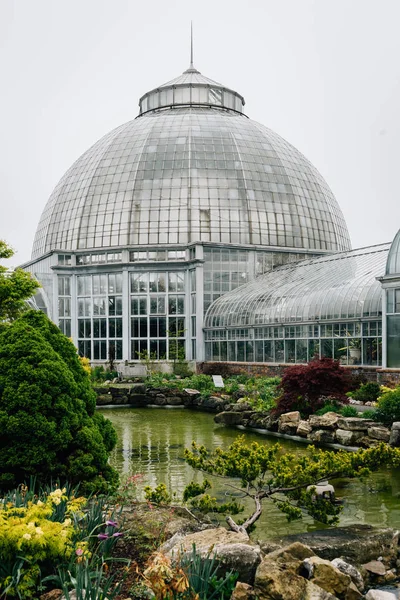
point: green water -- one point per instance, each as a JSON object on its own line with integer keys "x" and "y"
{"x": 152, "y": 441}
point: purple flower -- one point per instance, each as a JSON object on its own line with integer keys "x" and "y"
{"x": 102, "y": 536}
{"x": 117, "y": 534}
{"x": 111, "y": 523}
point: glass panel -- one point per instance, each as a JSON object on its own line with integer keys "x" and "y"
{"x": 393, "y": 342}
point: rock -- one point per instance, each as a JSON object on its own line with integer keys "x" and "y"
{"x": 355, "y": 423}
{"x": 380, "y": 595}
{"x": 174, "y": 401}
{"x": 159, "y": 400}
{"x": 243, "y": 591}
{"x": 351, "y": 571}
{"x": 103, "y": 399}
{"x": 376, "y": 567}
{"x": 231, "y": 418}
{"x": 275, "y": 582}
{"x": 324, "y": 574}
{"x": 138, "y": 388}
{"x": 390, "y": 576}
{"x": 288, "y": 422}
{"x": 353, "y": 593}
{"x": 191, "y": 392}
{"x": 291, "y": 557}
{"x": 395, "y": 434}
{"x": 214, "y": 404}
{"x": 303, "y": 428}
{"x": 52, "y": 595}
{"x": 323, "y": 436}
{"x": 356, "y": 544}
{"x": 379, "y": 433}
{"x": 367, "y": 442}
{"x": 233, "y": 550}
{"x": 348, "y": 438}
{"x": 327, "y": 421}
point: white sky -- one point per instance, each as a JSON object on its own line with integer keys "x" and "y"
{"x": 324, "y": 74}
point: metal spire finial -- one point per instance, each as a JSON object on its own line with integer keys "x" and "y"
{"x": 191, "y": 45}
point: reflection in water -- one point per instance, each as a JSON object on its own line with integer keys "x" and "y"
{"x": 152, "y": 441}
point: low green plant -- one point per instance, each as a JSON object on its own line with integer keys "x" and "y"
{"x": 157, "y": 495}
{"x": 329, "y": 407}
{"x": 368, "y": 414}
{"x": 388, "y": 409}
{"x": 349, "y": 411}
{"x": 89, "y": 584}
{"x": 367, "y": 392}
{"x": 204, "y": 579}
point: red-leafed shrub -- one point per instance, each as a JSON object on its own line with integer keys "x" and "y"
{"x": 305, "y": 387}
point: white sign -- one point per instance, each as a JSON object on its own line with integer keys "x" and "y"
{"x": 218, "y": 381}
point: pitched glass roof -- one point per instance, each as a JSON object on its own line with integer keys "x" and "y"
{"x": 336, "y": 287}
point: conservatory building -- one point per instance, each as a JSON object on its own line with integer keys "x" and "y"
{"x": 194, "y": 231}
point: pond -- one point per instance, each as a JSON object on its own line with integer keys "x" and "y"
{"x": 151, "y": 441}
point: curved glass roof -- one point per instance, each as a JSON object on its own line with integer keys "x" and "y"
{"x": 190, "y": 174}
{"x": 336, "y": 287}
{"x": 393, "y": 261}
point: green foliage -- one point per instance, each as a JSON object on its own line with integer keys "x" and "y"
{"x": 89, "y": 583}
{"x": 99, "y": 374}
{"x": 195, "y": 489}
{"x": 204, "y": 579}
{"x": 31, "y": 539}
{"x": 349, "y": 411}
{"x": 157, "y": 495}
{"x": 368, "y": 414}
{"x": 388, "y": 409}
{"x": 367, "y": 392}
{"x": 206, "y": 504}
{"x": 262, "y": 393}
{"x": 265, "y": 472}
{"x": 16, "y": 287}
{"x": 49, "y": 429}
{"x": 54, "y": 536}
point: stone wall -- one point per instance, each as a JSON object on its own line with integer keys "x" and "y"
{"x": 389, "y": 377}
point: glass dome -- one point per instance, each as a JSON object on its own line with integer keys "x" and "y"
{"x": 338, "y": 287}
{"x": 393, "y": 261}
{"x": 191, "y": 168}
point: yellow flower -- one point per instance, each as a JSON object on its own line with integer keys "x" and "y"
{"x": 39, "y": 530}
{"x": 27, "y": 536}
{"x": 31, "y": 525}
{"x": 67, "y": 522}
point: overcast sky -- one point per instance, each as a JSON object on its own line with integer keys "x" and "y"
{"x": 324, "y": 74}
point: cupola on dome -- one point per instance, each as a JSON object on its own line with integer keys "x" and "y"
{"x": 191, "y": 168}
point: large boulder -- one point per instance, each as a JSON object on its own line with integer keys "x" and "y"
{"x": 275, "y": 582}
{"x": 231, "y": 418}
{"x": 355, "y": 423}
{"x": 395, "y": 434}
{"x": 356, "y": 544}
{"x": 379, "y": 432}
{"x": 381, "y": 595}
{"x": 288, "y": 422}
{"x": 347, "y": 437}
{"x": 324, "y": 574}
{"x": 327, "y": 421}
{"x": 322, "y": 436}
{"x": 303, "y": 429}
{"x": 351, "y": 571}
{"x": 233, "y": 551}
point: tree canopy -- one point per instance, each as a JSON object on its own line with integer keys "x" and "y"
{"x": 265, "y": 472}
{"x": 49, "y": 428}
{"x": 15, "y": 287}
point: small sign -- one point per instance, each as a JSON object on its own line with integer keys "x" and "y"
{"x": 218, "y": 381}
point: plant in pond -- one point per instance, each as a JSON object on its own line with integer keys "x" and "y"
{"x": 304, "y": 387}
{"x": 157, "y": 495}
{"x": 265, "y": 472}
